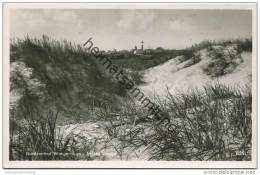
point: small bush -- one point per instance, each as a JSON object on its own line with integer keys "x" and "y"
{"x": 193, "y": 60}
{"x": 224, "y": 60}
{"x": 216, "y": 68}
{"x": 137, "y": 77}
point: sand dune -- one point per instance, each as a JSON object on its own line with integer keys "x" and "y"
{"x": 173, "y": 75}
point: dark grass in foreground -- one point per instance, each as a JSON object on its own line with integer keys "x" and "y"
{"x": 38, "y": 138}
{"x": 213, "y": 124}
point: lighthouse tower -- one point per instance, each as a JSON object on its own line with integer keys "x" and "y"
{"x": 139, "y": 51}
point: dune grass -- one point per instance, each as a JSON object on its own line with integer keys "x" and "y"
{"x": 210, "y": 124}
{"x": 39, "y": 138}
{"x": 213, "y": 124}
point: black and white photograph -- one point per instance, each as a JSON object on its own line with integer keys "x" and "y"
{"x": 129, "y": 86}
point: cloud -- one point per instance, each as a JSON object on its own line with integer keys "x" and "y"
{"x": 123, "y": 29}
{"x": 66, "y": 18}
{"x": 47, "y": 21}
{"x": 136, "y": 20}
{"x": 180, "y": 25}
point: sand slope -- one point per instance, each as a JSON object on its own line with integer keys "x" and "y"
{"x": 173, "y": 75}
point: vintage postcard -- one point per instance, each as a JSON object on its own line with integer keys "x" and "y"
{"x": 129, "y": 85}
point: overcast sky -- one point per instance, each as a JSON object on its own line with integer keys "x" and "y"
{"x": 123, "y": 29}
